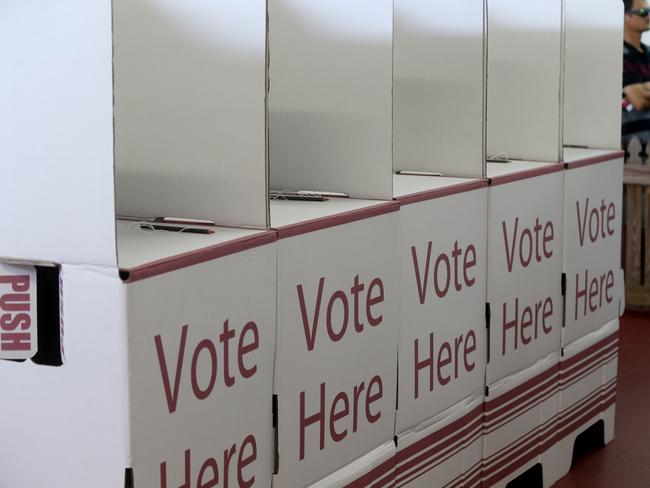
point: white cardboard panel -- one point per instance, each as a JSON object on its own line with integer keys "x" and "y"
{"x": 443, "y": 338}
{"x": 439, "y": 87}
{"x": 593, "y": 57}
{"x": 190, "y": 88}
{"x": 524, "y": 271}
{"x": 362, "y": 470}
{"x": 216, "y": 336}
{"x": 69, "y": 424}
{"x": 524, "y": 75}
{"x": 330, "y": 96}
{"x": 592, "y": 245}
{"x": 522, "y": 407}
{"x": 56, "y": 132}
{"x": 336, "y": 346}
{"x": 446, "y": 450}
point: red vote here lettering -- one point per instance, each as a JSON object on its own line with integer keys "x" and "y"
{"x": 531, "y": 244}
{"x": 341, "y": 305}
{"x": 600, "y": 221}
{"x": 210, "y": 352}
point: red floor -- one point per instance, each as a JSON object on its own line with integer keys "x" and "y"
{"x": 625, "y": 463}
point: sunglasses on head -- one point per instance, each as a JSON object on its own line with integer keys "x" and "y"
{"x": 639, "y": 12}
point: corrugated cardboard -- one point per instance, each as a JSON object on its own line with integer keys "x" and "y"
{"x": 330, "y": 102}
{"x": 168, "y": 370}
{"x": 587, "y": 389}
{"x": 524, "y": 286}
{"x": 336, "y": 357}
{"x": 524, "y": 80}
{"x": 593, "y": 62}
{"x": 439, "y": 87}
{"x": 442, "y": 276}
{"x": 592, "y": 243}
{"x": 520, "y": 423}
{"x": 182, "y": 83}
{"x": 446, "y": 450}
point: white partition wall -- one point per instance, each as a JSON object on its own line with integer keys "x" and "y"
{"x": 524, "y": 77}
{"x": 56, "y": 129}
{"x": 168, "y": 97}
{"x": 439, "y": 87}
{"x": 330, "y": 96}
{"x": 190, "y": 88}
{"x": 593, "y": 57}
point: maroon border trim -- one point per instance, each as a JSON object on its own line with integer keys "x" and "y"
{"x": 595, "y": 160}
{"x": 335, "y": 220}
{"x": 446, "y": 191}
{"x": 172, "y": 263}
{"x": 524, "y": 175}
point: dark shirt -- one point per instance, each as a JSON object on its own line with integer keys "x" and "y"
{"x": 636, "y": 69}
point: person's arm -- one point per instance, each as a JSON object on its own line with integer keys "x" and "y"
{"x": 638, "y": 94}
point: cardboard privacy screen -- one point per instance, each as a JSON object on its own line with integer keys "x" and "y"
{"x": 330, "y": 114}
{"x": 593, "y": 56}
{"x": 189, "y": 120}
{"x": 523, "y": 87}
{"x": 439, "y": 87}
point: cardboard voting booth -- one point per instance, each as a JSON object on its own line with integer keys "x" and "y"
{"x": 149, "y": 353}
{"x": 593, "y": 57}
{"x": 330, "y": 120}
{"x": 524, "y": 295}
{"x": 592, "y": 244}
{"x": 524, "y": 65}
{"x": 336, "y": 358}
{"x": 376, "y": 468}
{"x": 439, "y": 88}
{"x": 439, "y": 158}
{"x": 443, "y": 338}
{"x": 152, "y": 365}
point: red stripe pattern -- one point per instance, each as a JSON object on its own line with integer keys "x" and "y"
{"x": 417, "y": 459}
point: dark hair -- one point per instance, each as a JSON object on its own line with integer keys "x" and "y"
{"x": 628, "y": 4}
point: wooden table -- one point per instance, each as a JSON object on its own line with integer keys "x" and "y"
{"x": 636, "y": 245}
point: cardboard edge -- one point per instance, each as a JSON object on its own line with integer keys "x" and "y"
{"x": 179, "y": 261}
{"x": 603, "y": 158}
{"x": 426, "y": 195}
{"x": 313, "y": 225}
{"x": 526, "y": 174}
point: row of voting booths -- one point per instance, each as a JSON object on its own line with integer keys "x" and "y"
{"x": 326, "y": 244}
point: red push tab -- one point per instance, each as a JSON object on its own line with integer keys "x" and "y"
{"x": 18, "y": 319}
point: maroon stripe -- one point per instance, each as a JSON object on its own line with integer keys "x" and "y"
{"x": 572, "y": 381}
{"x": 191, "y": 258}
{"x": 594, "y": 160}
{"x": 587, "y": 409}
{"x": 594, "y": 396}
{"x": 508, "y": 408}
{"x": 373, "y": 475}
{"x": 523, "y": 388}
{"x": 495, "y": 457}
{"x": 453, "y": 428}
{"x": 565, "y": 363}
{"x": 422, "y": 467}
{"x": 338, "y": 219}
{"x": 474, "y": 479}
{"x": 459, "y": 479}
{"x": 566, "y": 374}
{"x": 442, "y": 192}
{"x": 524, "y": 175}
{"x": 387, "y": 481}
{"x": 581, "y": 419}
{"x": 521, "y": 411}
{"x": 580, "y": 422}
{"x": 430, "y": 452}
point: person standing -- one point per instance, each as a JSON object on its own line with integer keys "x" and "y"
{"x": 636, "y": 73}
